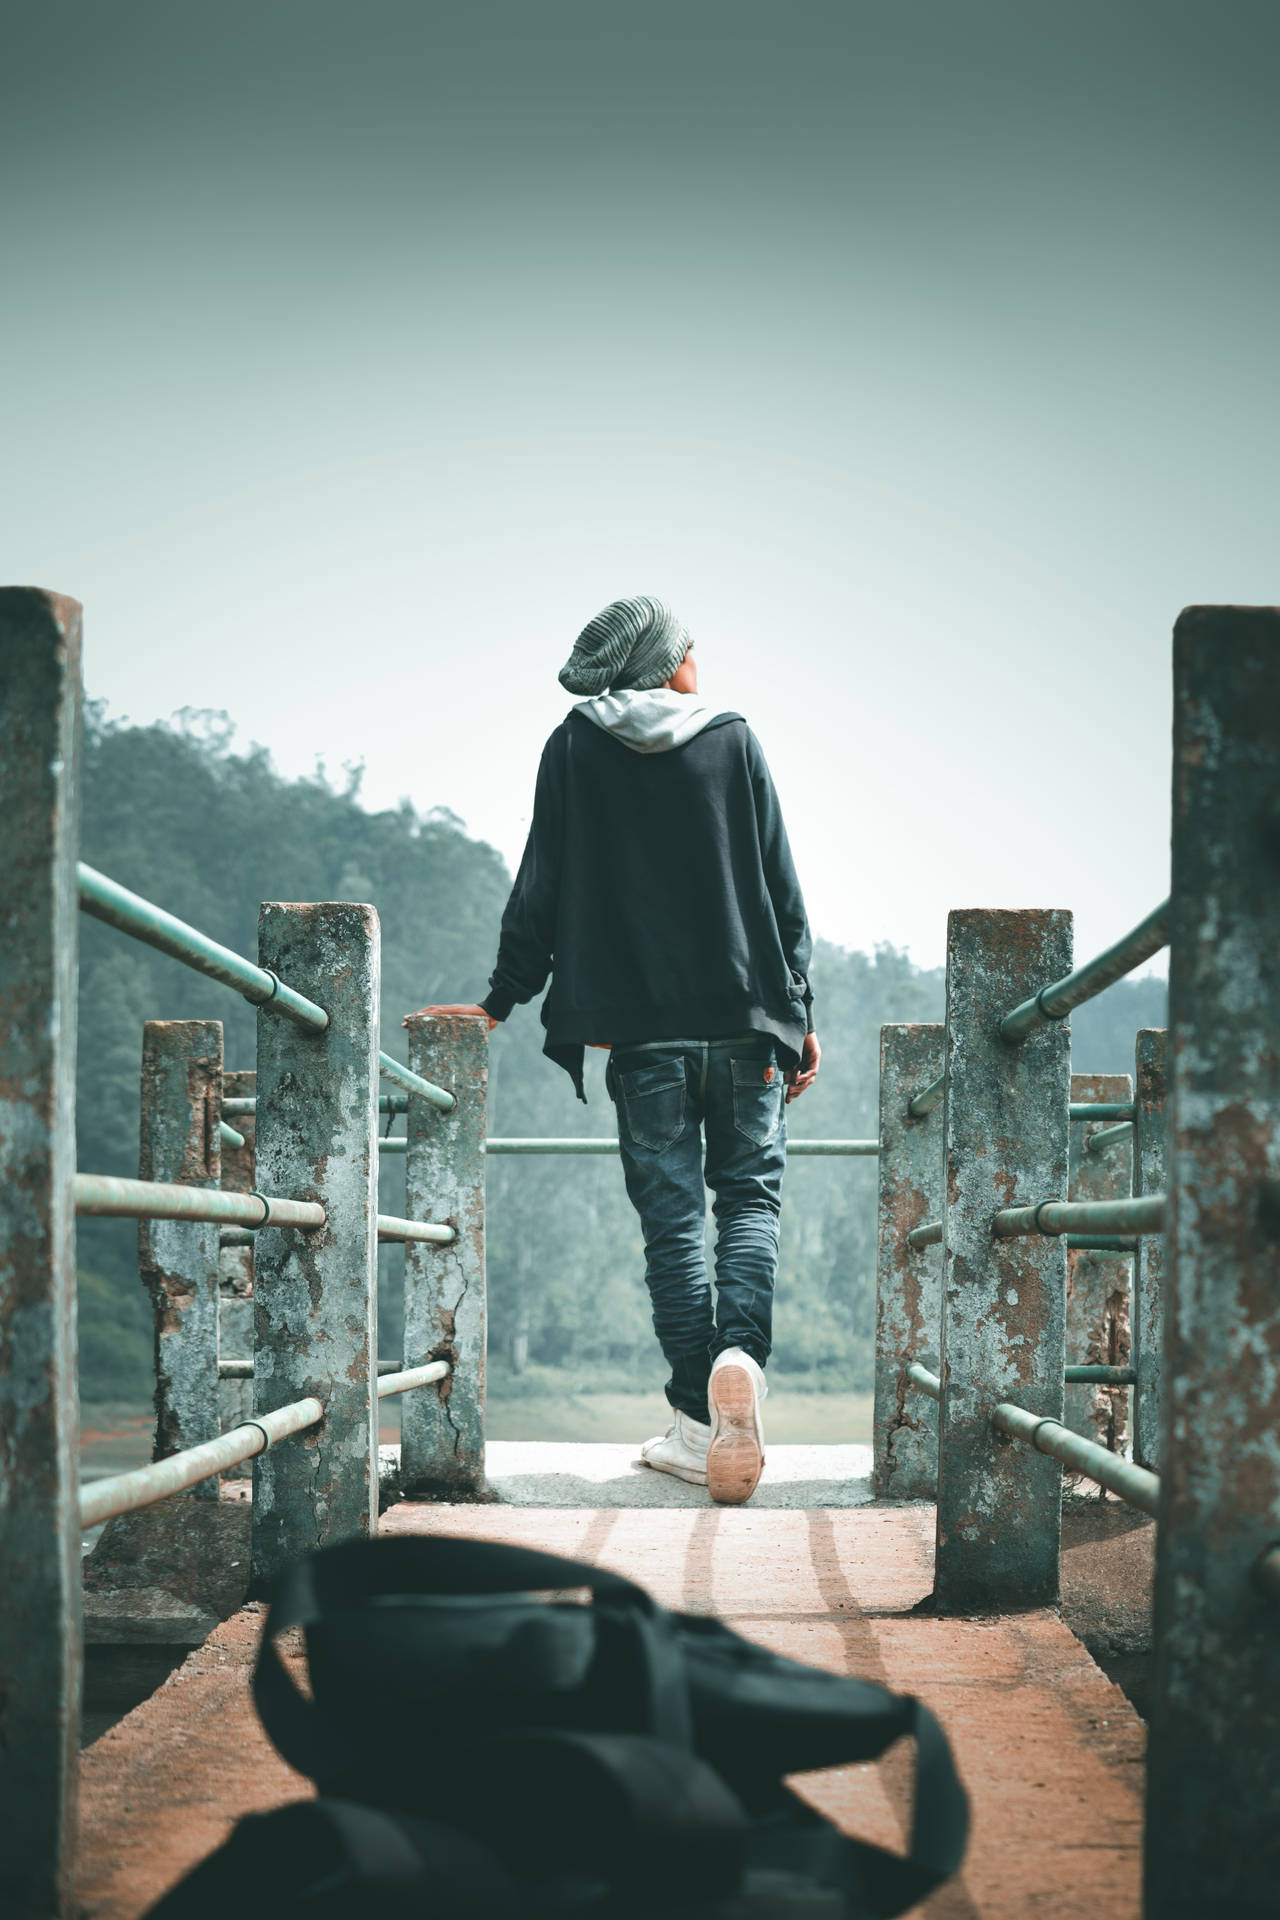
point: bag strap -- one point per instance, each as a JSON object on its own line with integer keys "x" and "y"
{"x": 804, "y": 1842}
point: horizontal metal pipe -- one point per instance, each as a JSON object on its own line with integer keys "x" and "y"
{"x": 129, "y": 913}
{"x": 1135, "y": 1485}
{"x": 925, "y": 1101}
{"x": 398, "y": 1145}
{"x": 412, "y": 1377}
{"x": 126, "y": 1492}
{"x": 243, "y": 1369}
{"x": 413, "y": 1083}
{"x": 1082, "y": 1216}
{"x": 247, "y": 1103}
{"x": 1055, "y": 1002}
{"x": 928, "y": 1235}
{"x": 926, "y": 1382}
{"x": 108, "y": 1195}
{"x": 390, "y": 1228}
{"x": 1101, "y": 1243}
{"x": 532, "y": 1145}
{"x": 828, "y": 1149}
{"x": 1079, "y": 1109}
{"x": 228, "y": 1135}
{"x": 237, "y": 1237}
{"x": 1100, "y": 1376}
{"x": 1110, "y": 1137}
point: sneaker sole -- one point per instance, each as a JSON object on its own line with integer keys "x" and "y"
{"x": 735, "y": 1458}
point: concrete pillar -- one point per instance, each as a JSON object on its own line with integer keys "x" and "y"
{"x": 445, "y": 1318}
{"x": 1005, "y": 1131}
{"x": 1098, "y": 1283}
{"x": 1213, "y": 1783}
{"x": 315, "y": 1294}
{"x": 178, "y": 1259}
{"x": 1149, "y": 1125}
{"x": 235, "y": 1270}
{"x": 40, "y": 1647}
{"x": 908, "y": 1281}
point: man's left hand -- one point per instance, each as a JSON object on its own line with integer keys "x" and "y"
{"x": 801, "y": 1078}
{"x": 477, "y": 1012}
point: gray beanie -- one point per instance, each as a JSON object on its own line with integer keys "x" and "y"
{"x": 633, "y": 644}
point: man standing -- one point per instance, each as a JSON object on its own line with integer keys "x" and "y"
{"x": 658, "y": 892}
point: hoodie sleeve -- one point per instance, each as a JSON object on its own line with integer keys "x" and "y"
{"x": 526, "y": 944}
{"x": 780, "y": 876}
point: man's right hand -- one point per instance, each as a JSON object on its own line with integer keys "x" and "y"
{"x": 801, "y": 1078}
{"x": 477, "y": 1013}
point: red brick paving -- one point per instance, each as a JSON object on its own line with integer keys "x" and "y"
{"x": 1051, "y": 1752}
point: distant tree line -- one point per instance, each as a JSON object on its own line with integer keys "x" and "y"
{"x": 175, "y": 813}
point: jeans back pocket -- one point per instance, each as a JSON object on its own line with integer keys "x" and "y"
{"x": 651, "y": 1104}
{"x": 757, "y": 1098}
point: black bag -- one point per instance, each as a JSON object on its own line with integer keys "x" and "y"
{"x": 481, "y": 1751}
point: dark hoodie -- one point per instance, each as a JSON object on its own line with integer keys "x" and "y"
{"x": 657, "y": 886}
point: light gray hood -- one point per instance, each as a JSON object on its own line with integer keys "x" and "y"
{"x": 652, "y": 721}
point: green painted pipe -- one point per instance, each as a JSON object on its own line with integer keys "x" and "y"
{"x": 128, "y": 912}
{"x": 831, "y": 1149}
{"x": 391, "y": 1228}
{"x": 1135, "y": 1485}
{"x": 924, "y": 1381}
{"x": 1087, "y": 1109}
{"x": 422, "y": 1089}
{"x": 1054, "y": 1003}
{"x": 1084, "y": 1216}
{"x": 106, "y": 1196}
{"x": 126, "y": 1492}
{"x": 928, "y": 1382}
{"x": 929, "y": 1098}
{"x": 1110, "y": 1137}
{"x": 928, "y": 1235}
{"x": 228, "y": 1135}
{"x": 243, "y": 1369}
{"x": 411, "y": 1377}
{"x": 247, "y": 1103}
{"x": 1101, "y": 1243}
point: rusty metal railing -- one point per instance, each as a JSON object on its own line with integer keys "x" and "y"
{"x": 129, "y": 913}
{"x": 1056, "y": 1002}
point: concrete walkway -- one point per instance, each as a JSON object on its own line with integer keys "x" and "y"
{"x": 1050, "y": 1751}
{"x": 549, "y": 1473}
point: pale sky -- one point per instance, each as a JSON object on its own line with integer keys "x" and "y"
{"x": 922, "y": 356}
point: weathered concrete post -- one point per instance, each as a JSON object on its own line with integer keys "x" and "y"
{"x": 1149, "y": 1125}
{"x": 1098, "y": 1283}
{"x": 908, "y": 1280}
{"x": 315, "y": 1294}
{"x": 178, "y": 1259}
{"x": 1213, "y": 1782}
{"x": 1005, "y": 1130}
{"x": 40, "y": 1650}
{"x": 235, "y": 1268}
{"x": 445, "y": 1317}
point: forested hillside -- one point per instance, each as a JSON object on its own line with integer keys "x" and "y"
{"x": 176, "y": 814}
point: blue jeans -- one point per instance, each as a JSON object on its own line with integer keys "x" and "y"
{"x": 666, "y": 1092}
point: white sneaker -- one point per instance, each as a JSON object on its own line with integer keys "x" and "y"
{"x": 681, "y": 1450}
{"x": 735, "y": 1457}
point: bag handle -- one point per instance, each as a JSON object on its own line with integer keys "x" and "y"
{"x": 344, "y": 1578}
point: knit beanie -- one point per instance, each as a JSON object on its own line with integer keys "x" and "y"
{"x": 635, "y": 643}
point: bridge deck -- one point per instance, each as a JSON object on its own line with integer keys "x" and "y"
{"x": 1051, "y": 1752}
